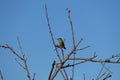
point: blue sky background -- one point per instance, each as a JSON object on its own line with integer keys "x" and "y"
{"x": 96, "y": 21}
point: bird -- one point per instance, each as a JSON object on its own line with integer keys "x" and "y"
{"x": 61, "y": 43}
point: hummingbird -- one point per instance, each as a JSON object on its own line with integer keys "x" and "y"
{"x": 61, "y": 43}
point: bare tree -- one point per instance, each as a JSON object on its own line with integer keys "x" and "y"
{"x": 61, "y": 65}
{"x": 65, "y": 61}
{"x": 21, "y": 57}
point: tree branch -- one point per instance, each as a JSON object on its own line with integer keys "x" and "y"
{"x": 24, "y": 60}
{"x": 11, "y": 49}
{"x": 49, "y": 27}
{"x": 53, "y": 65}
{"x": 91, "y": 60}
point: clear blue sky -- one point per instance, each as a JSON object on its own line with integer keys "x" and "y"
{"x": 97, "y": 21}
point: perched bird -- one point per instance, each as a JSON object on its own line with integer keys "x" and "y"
{"x": 61, "y": 43}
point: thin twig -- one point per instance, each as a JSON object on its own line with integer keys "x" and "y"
{"x": 80, "y": 41}
{"x": 71, "y": 25}
{"x": 83, "y": 48}
{"x": 103, "y": 64}
{"x": 118, "y": 60}
{"x": 1, "y": 75}
{"x": 19, "y": 63}
{"x": 73, "y": 68}
{"x": 51, "y": 70}
{"x": 26, "y": 68}
{"x": 24, "y": 60}
{"x": 11, "y": 49}
{"x": 100, "y": 72}
{"x": 107, "y": 76}
{"x": 19, "y": 44}
{"x": 34, "y": 76}
{"x": 84, "y": 76}
{"x": 63, "y": 56}
{"x": 101, "y": 76}
{"x": 73, "y": 40}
